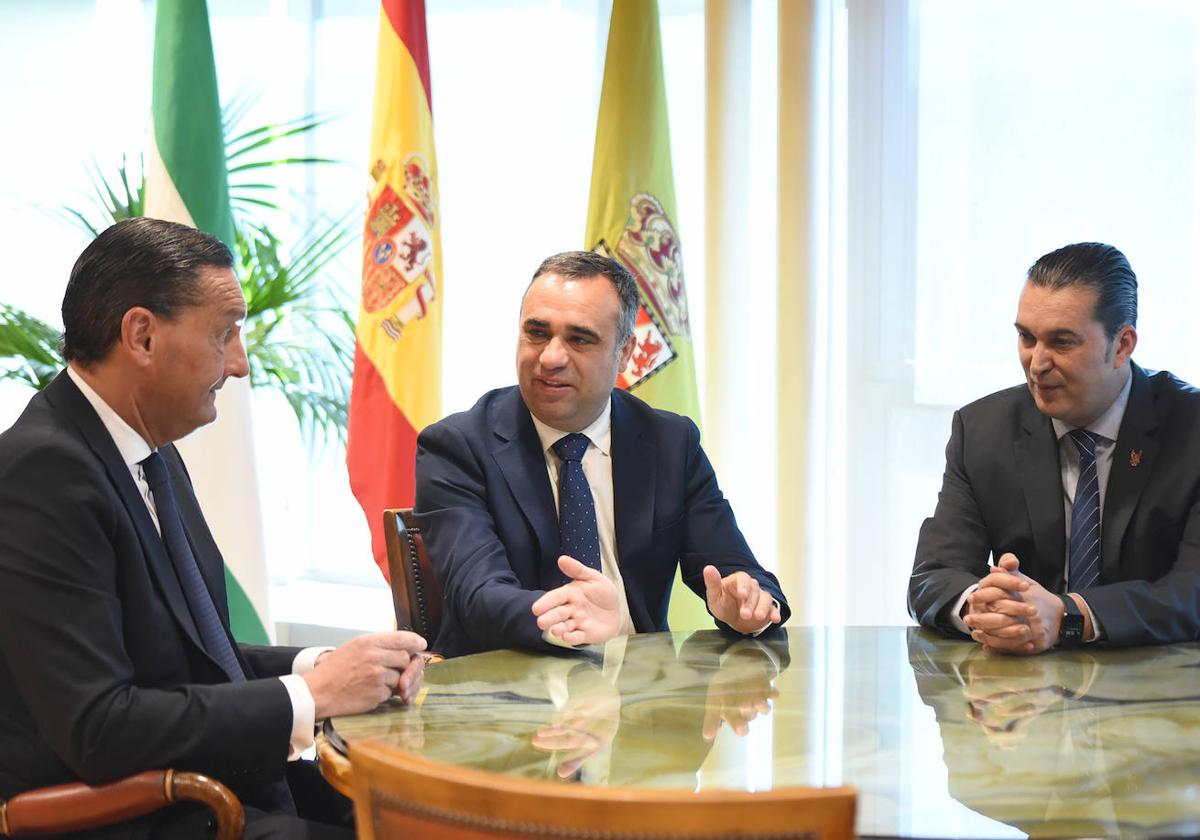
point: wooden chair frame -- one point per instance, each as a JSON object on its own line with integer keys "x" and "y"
{"x": 401, "y": 794}
{"x": 415, "y": 593}
{"x": 76, "y": 806}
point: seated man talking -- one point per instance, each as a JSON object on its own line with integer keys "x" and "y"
{"x": 1083, "y": 484}
{"x": 115, "y": 650}
{"x": 557, "y": 511}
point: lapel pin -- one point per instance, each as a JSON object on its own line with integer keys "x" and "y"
{"x": 1135, "y": 457}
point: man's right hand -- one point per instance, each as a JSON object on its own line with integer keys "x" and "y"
{"x": 365, "y": 671}
{"x": 585, "y": 611}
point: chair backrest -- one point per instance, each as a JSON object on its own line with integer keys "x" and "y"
{"x": 398, "y": 794}
{"x": 415, "y": 592}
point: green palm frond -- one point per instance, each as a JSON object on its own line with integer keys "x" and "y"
{"x": 299, "y": 340}
{"x": 28, "y": 348}
{"x": 299, "y": 336}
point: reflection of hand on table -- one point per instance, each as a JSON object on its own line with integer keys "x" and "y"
{"x": 1005, "y": 695}
{"x": 585, "y": 725}
{"x": 740, "y": 691}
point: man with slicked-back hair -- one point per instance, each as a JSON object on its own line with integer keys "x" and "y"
{"x": 115, "y": 650}
{"x": 1082, "y": 485}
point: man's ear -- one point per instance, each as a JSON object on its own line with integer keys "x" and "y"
{"x": 1123, "y": 345}
{"x": 627, "y": 351}
{"x": 139, "y": 334}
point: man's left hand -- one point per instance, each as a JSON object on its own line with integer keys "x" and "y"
{"x": 739, "y": 601}
{"x": 1043, "y": 614}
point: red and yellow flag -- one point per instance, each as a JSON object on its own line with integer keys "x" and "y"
{"x": 396, "y": 390}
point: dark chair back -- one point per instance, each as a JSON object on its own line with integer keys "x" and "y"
{"x": 415, "y": 592}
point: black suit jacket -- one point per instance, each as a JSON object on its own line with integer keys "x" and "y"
{"x": 486, "y": 506}
{"x": 101, "y": 670}
{"x": 1002, "y": 492}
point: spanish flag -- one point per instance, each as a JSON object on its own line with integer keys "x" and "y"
{"x": 396, "y": 389}
{"x": 631, "y": 217}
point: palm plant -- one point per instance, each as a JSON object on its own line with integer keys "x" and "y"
{"x": 299, "y": 336}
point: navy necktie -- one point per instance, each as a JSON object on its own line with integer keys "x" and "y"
{"x": 577, "y": 532}
{"x": 1083, "y": 567}
{"x": 199, "y": 599}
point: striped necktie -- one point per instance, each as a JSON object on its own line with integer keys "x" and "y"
{"x": 1083, "y": 567}
{"x": 199, "y": 599}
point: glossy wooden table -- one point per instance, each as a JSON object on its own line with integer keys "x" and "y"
{"x": 939, "y": 738}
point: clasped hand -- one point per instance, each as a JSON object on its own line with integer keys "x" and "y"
{"x": 1011, "y": 612}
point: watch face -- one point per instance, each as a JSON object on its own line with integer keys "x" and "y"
{"x": 1072, "y": 628}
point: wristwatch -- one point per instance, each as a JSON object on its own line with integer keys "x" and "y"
{"x": 1070, "y": 630}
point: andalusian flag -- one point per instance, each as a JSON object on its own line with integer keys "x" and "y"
{"x": 631, "y": 217}
{"x": 187, "y": 181}
{"x": 397, "y": 359}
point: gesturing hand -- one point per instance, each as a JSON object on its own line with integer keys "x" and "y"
{"x": 739, "y": 601}
{"x": 365, "y": 671}
{"x": 584, "y": 611}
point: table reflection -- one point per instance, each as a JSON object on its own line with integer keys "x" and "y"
{"x": 939, "y": 738}
{"x": 1082, "y": 742}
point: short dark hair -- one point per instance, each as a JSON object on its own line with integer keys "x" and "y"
{"x": 1096, "y": 266}
{"x": 580, "y": 265}
{"x": 136, "y": 262}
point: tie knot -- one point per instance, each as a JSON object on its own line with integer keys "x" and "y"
{"x": 156, "y": 470}
{"x": 1085, "y": 442}
{"x": 571, "y": 447}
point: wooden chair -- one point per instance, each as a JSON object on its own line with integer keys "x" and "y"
{"x": 76, "y": 806}
{"x": 398, "y": 794}
{"x": 415, "y": 593}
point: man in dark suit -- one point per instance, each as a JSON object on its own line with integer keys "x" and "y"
{"x": 638, "y": 496}
{"x": 1083, "y": 484}
{"x": 115, "y": 651}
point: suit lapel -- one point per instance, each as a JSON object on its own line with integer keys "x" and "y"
{"x": 63, "y": 394}
{"x": 1132, "y": 463}
{"x": 517, "y": 451}
{"x": 634, "y": 469}
{"x": 1036, "y": 454}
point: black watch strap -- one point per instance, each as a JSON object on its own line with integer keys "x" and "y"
{"x": 1070, "y": 631}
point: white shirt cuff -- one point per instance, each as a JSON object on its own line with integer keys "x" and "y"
{"x": 304, "y": 713}
{"x": 956, "y": 613}
{"x": 306, "y": 659}
{"x": 304, "y": 708}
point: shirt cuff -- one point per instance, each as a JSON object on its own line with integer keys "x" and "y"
{"x": 956, "y": 613}
{"x": 306, "y": 659}
{"x": 1097, "y": 630}
{"x": 304, "y": 713}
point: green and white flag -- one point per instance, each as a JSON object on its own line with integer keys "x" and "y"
{"x": 187, "y": 181}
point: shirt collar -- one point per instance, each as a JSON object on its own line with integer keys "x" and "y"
{"x": 599, "y": 431}
{"x": 1108, "y": 424}
{"x": 130, "y": 444}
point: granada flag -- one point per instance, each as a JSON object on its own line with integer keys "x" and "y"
{"x": 631, "y": 217}
{"x": 396, "y": 389}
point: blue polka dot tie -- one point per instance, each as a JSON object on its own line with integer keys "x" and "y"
{"x": 1083, "y": 567}
{"x": 577, "y": 532}
{"x": 195, "y": 591}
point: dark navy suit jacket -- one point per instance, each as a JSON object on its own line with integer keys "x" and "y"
{"x": 486, "y": 507}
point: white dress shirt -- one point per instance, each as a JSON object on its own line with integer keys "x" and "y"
{"x": 597, "y": 468}
{"x": 134, "y": 449}
{"x": 1105, "y": 427}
